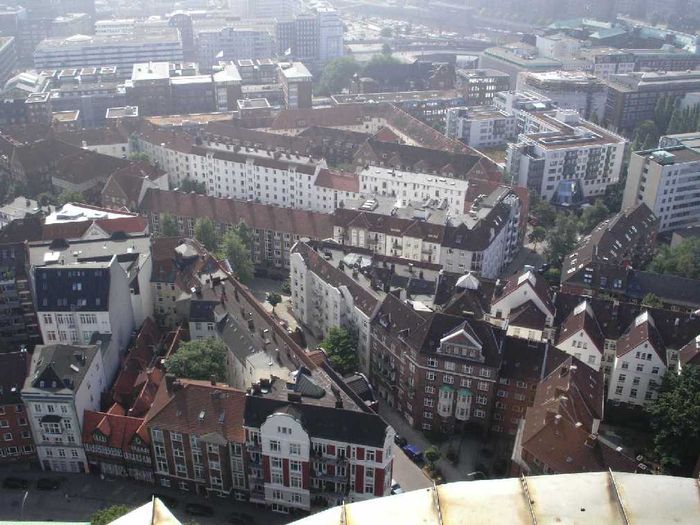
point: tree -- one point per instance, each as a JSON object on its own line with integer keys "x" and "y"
{"x": 543, "y": 211}
{"x": 286, "y": 287}
{"x": 646, "y": 136}
{"x": 200, "y": 359}
{"x": 341, "y": 347}
{"x": 336, "y": 75}
{"x": 238, "y": 255}
{"x": 168, "y": 226}
{"x": 108, "y": 515}
{"x": 682, "y": 260}
{"x": 537, "y": 235}
{"x": 205, "y": 232}
{"x": 70, "y": 196}
{"x": 386, "y": 32}
{"x": 652, "y": 301}
{"x": 245, "y": 233}
{"x": 561, "y": 239}
{"x": 274, "y": 299}
{"x": 140, "y": 155}
{"x": 386, "y": 49}
{"x": 432, "y": 455}
{"x": 380, "y": 61}
{"x": 592, "y": 216}
{"x": 675, "y": 421}
{"x": 188, "y": 185}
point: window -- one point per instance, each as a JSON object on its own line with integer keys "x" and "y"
{"x": 295, "y": 466}
{"x": 295, "y": 482}
{"x": 370, "y": 455}
{"x": 479, "y": 413}
{"x": 432, "y": 362}
{"x": 276, "y": 463}
{"x": 176, "y": 437}
{"x": 448, "y": 379}
{"x": 274, "y": 445}
{"x": 430, "y": 376}
{"x": 276, "y": 478}
{"x": 483, "y": 385}
{"x": 655, "y": 370}
{"x": 294, "y": 449}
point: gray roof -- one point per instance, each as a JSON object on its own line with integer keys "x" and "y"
{"x": 58, "y": 368}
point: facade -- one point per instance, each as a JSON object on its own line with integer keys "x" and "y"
{"x": 63, "y": 382}
{"x": 581, "y": 337}
{"x": 121, "y": 51}
{"x": 297, "y": 85}
{"x": 18, "y": 323}
{"x": 479, "y": 86}
{"x": 665, "y": 181}
{"x": 8, "y": 58}
{"x": 17, "y": 443}
{"x": 568, "y": 160}
{"x": 481, "y": 126}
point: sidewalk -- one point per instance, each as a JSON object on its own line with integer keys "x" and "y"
{"x": 469, "y": 446}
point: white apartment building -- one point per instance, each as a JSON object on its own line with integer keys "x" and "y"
{"x": 324, "y": 296}
{"x": 64, "y": 381}
{"x": 330, "y": 34}
{"x": 520, "y": 290}
{"x": 569, "y": 161}
{"x": 119, "y": 50}
{"x": 520, "y": 104}
{"x": 640, "y": 363}
{"x": 581, "y": 336}
{"x": 668, "y": 182}
{"x": 480, "y": 126}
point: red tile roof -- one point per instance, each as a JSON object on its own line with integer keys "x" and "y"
{"x": 580, "y": 319}
{"x": 642, "y": 330}
{"x": 119, "y": 430}
{"x": 690, "y": 353}
{"x": 528, "y": 278}
{"x": 338, "y": 180}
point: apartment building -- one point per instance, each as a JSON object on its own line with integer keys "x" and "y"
{"x": 666, "y": 180}
{"x": 296, "y": 83}
{"x": 18, "y": 323}
{"x": 569, "y": 160}
{"x": 63, "y": 382}
{"x": 480, "y": 126}
{"x": 119, "y": 50}
{"x": 479, "y": 86}
{"x": 575, "y": 90}
{"x": 516, "y": 58}
{"x": 17, "y": 443}
{"x": 521, "y": 104}
{"x": 223, "y": 41}
{"x": 8, "y": 58}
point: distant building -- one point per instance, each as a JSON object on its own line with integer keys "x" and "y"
{"x": 480, "y": 126}
{"x": 663, "y": 179}
{"x": 17, "y": 444}
{"x": 515, "y": 59}
{"x": 479, "y": 86}
{"x": 8, "y": 58}
{"x": 296, "y": 84}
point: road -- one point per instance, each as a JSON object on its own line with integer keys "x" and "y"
{"x": 88, "y": 493}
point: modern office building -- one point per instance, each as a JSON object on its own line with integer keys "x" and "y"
{"x": 480, "y": 126}
{"x": 479, "y": 86}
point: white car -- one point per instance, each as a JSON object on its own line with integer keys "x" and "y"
{"x": 395, "y": 487}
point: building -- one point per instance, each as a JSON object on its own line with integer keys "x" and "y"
{"x": 627, "y": 240}
{"x": 573, "y": 90}
{"x": 479, "y": 86}
{"x": 63, "y": 382}
{"x": 274, "y": 229}
{"x": 420, "y": 74}
{"x": 232, "y": 42}
{"x": 127, "y": 187}
{"x": 560, "y": 432}
{"x": 297, "y": 85}
{"x": 606, "y": 62}
{"x": 17, "y": 444}
{"x": 664, "y": 180}
{"x": 632, "y": 97}
{"x": 8, "y": 58}
{"x": 480, "y": 126}
{"x": 121, "y": 51}
{"x": 517, "y": 58}
{"x": 582, "y": 337}
{"x": 19, "y": 208}
{"x": 568, "y": 160}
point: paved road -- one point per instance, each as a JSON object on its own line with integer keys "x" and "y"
{"x": 88, "y": 493}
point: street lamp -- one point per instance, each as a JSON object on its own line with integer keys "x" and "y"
{"x": 24, "y": 500}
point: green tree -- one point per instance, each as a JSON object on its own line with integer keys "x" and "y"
{"x": 652, "y": 301}
{"x": 341, "y": 347}
{"x": 336, "y": 75}
{"x": 168, "y": 226}
{"x": 682, "y": 260}
{"x": 592, "y": 216}
{"x": 140, "y": 156}
{"x": 108, "y": 515}
{"x": 238, "y": 255}
{"x": 386, "y": 49}
{"x": 543, "y": 211}
{"x": 188, "y": 185}
{"x": 646, "y": 136}
{"x": 432, "y": 455}
{"x": 675, "y": 421}
{"x": 274, "y": 299}
{"x": 205, "y": 232}
{"x": 383, "y": 60}
{"x": 537, "y": 235}
{"x": 70, "y": 196}
{"x": 200, "y": 359}
{"x": 561, "y": 239}
{"x": 286, "y": 287}
{"x": 245, "y": 233}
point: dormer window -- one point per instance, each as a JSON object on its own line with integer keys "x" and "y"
{"x": 98, "y": 436}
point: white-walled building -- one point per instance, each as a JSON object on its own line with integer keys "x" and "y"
{"x": 640, "y": 363}
{"x": 480, "y": 126}
{"x": 64, "y": 380}
{"x": 581, "y": 336}
{"x": 568, "y": 160}
{"x": 668, "y": 181}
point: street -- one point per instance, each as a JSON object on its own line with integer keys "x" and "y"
{"x": 88, "y": 493}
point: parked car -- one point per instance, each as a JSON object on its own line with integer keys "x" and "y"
{"x": 169, "y": 501}
{"x": 414, "y": 453}
{"x": 15, "y": 483}
{"x": 395, "y": 487}
{"x": 199, "y": 510}
{"x": 48, "y": 483}
{"x": 400, "y": 440}
{"x": 542, "y": 269}
{"x": 241, "y": 518}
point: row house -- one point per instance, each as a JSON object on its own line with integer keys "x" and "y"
{"x": 303, "y": 455}
{"x": 126, "y": 187}
{"x": 273, "y": 229}
{"x": 18, "y": 323}
{"x": 439, "y": 371}
{"x": 325, "y": 296}
{"x": 581, "y": 336}
{"x": 16, "y": 443}
{"x": 63, "y": 382}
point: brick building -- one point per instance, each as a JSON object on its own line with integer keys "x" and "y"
{"x": 16, "y": 435}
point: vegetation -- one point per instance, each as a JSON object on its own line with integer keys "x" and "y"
{"x": 336, "y": 75}
{"x": 341, "y": 347}
{"x": 70, "y": 196}
{"x": 432, "y": 455}
{"x": 386, "y": 49}
{"x": 543, "y": 211}
{"x": 646, "y": 136}
{"x": 675, "y": 421}
{"x": 237, "y": 253}
{"x": 141, "y": 156}
{"x": 188, "y": 185}
{"x": 561, "y": 239}
{"x": 286, "y": 287}
{"x": 592, "y": 216}
{"x": 205, "y": 232}
{"x": 168, "y": 226}
{"x": 652, "y": 301}
{"x": 108, "y": 515}
{"x": 682, "y": 260}
{"x": 684, "y": 120}
{"x": 537, "y": 235}
{"x": 200, "y": 359}
{"x": 274, "y": 299}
